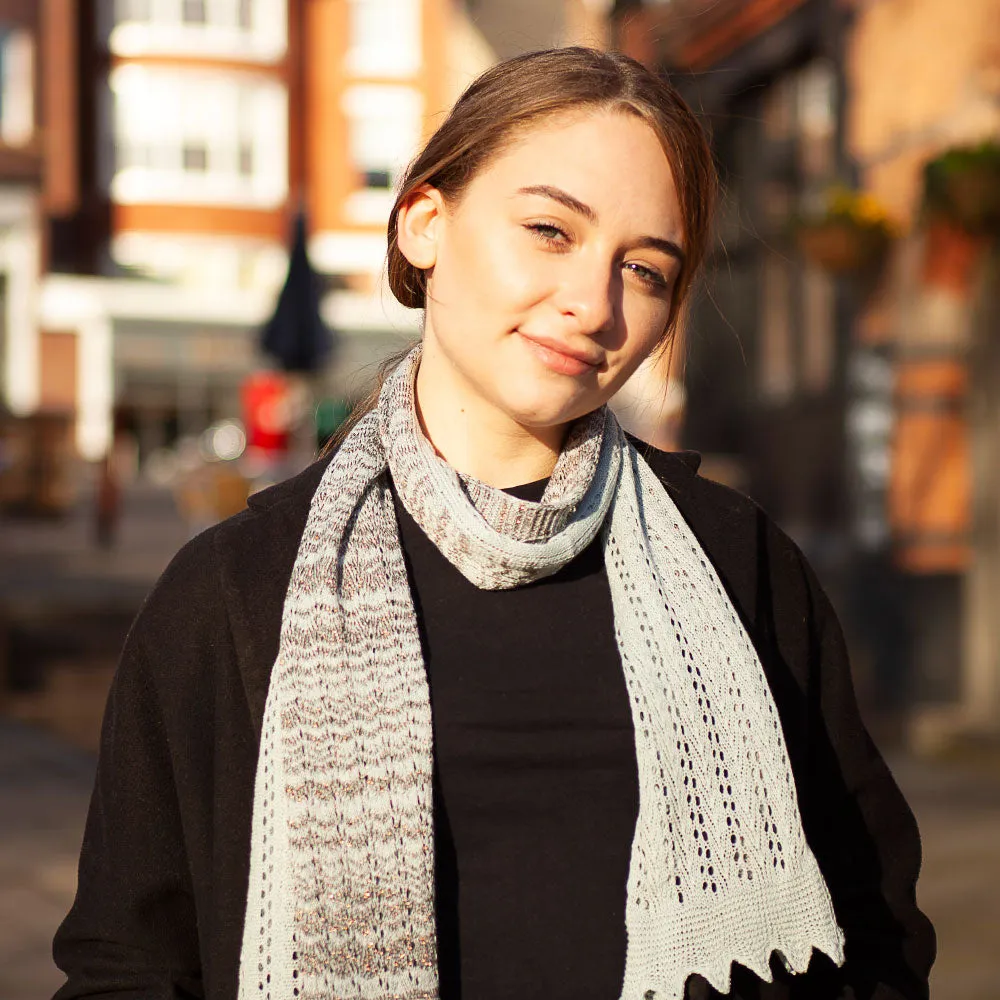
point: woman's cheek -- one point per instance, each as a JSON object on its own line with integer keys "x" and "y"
{"x": 645, "y": 323}
{"x": 517, "y": 270}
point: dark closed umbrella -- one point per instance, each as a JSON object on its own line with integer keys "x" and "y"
{"x": 296, "y": 335}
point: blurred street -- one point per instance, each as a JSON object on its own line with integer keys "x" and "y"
{"x": 44, "y": 789}
{"x": 58, "y": 563}
{"x": 66, "y": 605}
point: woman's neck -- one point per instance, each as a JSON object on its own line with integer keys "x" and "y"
{"x": 476, "y": 439}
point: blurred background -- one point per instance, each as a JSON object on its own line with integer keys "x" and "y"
{"x": 193, "y": 199}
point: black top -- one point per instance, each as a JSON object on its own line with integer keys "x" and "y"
{"x": 537, "y": 787}
{"x": 165, "y": 861}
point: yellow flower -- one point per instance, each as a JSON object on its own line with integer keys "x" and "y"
{"x": 861, "y": 208}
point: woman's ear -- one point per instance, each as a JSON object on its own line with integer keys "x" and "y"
{"x": 418, "y": 226}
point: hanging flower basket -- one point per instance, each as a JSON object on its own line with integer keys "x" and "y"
{"x": 842, "y": 247}
{"x": 962, "y": 185}
{"x": 852, "y": 236}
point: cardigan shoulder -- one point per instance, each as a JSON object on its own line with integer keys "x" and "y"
{"x": 762, "y": 567}
{"x": 228, "y": 584}
{"x": 223, "y": 592}
{"x": 756, "y": 561}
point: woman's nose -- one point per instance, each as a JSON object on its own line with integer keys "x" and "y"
{"x": 588, "y": 297}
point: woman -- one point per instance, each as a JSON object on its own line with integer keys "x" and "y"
{"x": 644, "y": 774}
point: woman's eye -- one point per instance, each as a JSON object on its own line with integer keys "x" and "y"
{"x": 547, "y": 233}
{"x": 646, "y": 274}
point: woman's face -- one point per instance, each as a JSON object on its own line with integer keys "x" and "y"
{"x": 551, "y": 278}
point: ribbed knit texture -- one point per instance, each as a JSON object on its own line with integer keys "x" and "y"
{"x": 341, "y": 893}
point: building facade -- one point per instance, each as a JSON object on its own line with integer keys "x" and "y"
{"x": 37, "y": 179}
{"x": 162, "y": 223}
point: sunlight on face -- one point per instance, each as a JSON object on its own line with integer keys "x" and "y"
{"x": 553, "y": 274}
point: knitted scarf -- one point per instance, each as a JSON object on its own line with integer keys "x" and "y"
{"x": 341, "y": 892}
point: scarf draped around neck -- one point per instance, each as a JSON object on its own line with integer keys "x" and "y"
{"x": 341, "y": 893}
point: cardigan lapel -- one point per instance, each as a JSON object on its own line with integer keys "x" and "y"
{"x": 257, "y": 550}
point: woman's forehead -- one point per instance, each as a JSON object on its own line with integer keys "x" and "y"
{"x": 606, "y": 159}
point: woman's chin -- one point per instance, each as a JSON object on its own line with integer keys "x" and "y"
{"x": 548, "y": 413}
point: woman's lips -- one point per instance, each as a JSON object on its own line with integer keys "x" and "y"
{"x": 558, "y": 358}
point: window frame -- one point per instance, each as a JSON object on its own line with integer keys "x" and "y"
{"x": 139, "y": 168}
{"x": 163, "y": 29}
{"x": 374, "y": 52}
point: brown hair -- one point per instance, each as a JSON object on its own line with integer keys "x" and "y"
{"x": 508, "y": 100}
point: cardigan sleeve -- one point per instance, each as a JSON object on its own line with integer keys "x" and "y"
{"x": 863, "y": 830}
{"x": 131, "y": 931}
{"x": 856, "y": 821}
{"x": 153, "y": 893}
{"x": 164, "y": 864}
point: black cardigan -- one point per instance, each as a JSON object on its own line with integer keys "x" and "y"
{"x": 165, "y": 858}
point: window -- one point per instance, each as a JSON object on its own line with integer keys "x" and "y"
{"x": 217, "y": 262}
{"x": 242, "y": 29}
{"x": 377, "y": 178}
{"x": 797, "y": 162}
{"x": 246, "y": 159}
{"x": 384, "y": 131}
{"x": 816, "y": 114}
{"x": 135, "y": 10}
{"x": 17, "y": 86}
{"x": 198, "y": 137}
{"x": 195, "y": 158}
{"x": 4, "y": 389}
{"x": 777, "y": 360}
{"x": 194, "y": 12}
{"x": 384, "y": 38}
{"x": 818, "y": 329}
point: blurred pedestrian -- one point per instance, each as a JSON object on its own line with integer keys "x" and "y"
{"x": 644, "y": 774}
{"x": 107, "y": 501}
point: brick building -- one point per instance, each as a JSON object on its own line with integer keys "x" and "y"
{"x": 204, "y": 125}
{"x": 37, "y": 181}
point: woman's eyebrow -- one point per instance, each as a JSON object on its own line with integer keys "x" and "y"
{"x": 564, "y": 198}
{"x": 669, "y": 247}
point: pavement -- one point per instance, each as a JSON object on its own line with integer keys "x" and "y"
{"x": 44, "y": 790}
{"x": 65, "y": 606}
{"x": 56, "y": 564}
{"x": 957, "y": 805}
